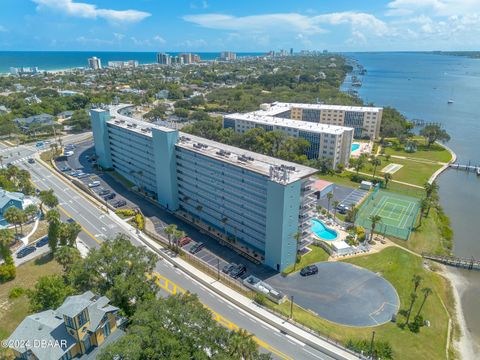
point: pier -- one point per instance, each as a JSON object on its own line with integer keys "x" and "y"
{"x": 468, "y": 168}
{"x": 464, "y": 263}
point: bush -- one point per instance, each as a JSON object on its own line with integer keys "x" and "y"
{"x": 139, "y": 221}
{"x": 8, "y": 271}
{"x": 260, "y": 299}
{"x": 125, "y": 213}
{"x": 16, "y": 292}
{"x": 381, "y": 349}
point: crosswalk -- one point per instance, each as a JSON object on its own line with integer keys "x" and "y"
{"x": 16, "y": 161}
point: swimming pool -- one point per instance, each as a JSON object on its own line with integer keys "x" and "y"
{"x": 355, "y": 146}
{"x": 322, "y": 231}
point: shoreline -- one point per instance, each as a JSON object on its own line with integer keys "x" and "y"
{"x": 463, "y": 341}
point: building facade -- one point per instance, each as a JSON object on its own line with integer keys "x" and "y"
{"x": 258, "y": 204}
{"x": 228, "y": 56}
{"x": 164, "y": 59}
{"x": 365, "y": 120}
{"x": 94, "y": 63}
{"x": 326, "y": 141}
{"x": 81, "y": 324}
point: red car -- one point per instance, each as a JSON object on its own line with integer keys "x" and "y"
{"x": 184, "y": 241}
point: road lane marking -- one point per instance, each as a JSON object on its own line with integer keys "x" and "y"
{"x": 83, "y": 228}
{"x": 169, "y": 286}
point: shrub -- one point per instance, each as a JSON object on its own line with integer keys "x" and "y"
{"x": 125, "y": 212}
{"x": 8, "y": 271}
{"x": 139, "y": 221}
{"x": 260, "y": 299}
{"x": 381, "y": 349}
{"x": 16, "y": 292}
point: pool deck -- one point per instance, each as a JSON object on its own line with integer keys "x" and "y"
{"x": 364, "y": 148}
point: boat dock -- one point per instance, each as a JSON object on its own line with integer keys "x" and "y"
{"x": 468, "y": 168}
{"x": 464, "y": 263}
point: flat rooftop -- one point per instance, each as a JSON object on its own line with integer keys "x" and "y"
{"x": 279, "y": 107}
{"x": 259, "y": 117}
{"x": 277, "y": 170}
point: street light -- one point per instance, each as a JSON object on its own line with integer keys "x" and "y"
{"x": 371, "y": 344}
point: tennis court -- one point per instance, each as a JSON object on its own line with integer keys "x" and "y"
{"x": 397, "y": 212}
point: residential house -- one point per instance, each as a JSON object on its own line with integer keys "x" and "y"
{"x": 7, "y": 200}
{"x": 77, "y": 329}
{"x": 35, "y": 120}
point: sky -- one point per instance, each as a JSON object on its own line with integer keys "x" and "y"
{"x": 239, "y": 25}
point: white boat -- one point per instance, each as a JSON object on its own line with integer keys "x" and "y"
{"x": 450, "y": 101}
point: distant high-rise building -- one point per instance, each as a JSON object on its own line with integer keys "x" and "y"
{"x": 196, "y": 58}
{"x": 122, "y": 64}
{"x": 94, "y": 63}
{"x": 164, "y": 59}
{"x": 227, "y": 56}
{"x": 291, "y": 51}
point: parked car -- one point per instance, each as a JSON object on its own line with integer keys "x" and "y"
{"x": 26, "y": 251}
{"x": 42, "y": 242}
{"x": 119, "y": 203}
{"x": 82, "y": 176}
{"x": 229, "y": 267}
{"x": 94, "y": 184}
{"x": 31, "y": 161}
{"x": 196, "y": 248}
{"x": 309, "y": 270}
{"x": 109, "y": 196}
{"x": 184, "y": 241}
{"x": 68, "y": 153}
{"x": 65, "y": 169}
{"x": 103, "y": 192}
{"x": 70, "y": 220}
{"x": 238, "y": 271}
{"x": 75, "y": 173}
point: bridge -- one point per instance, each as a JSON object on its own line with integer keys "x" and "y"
{"x": 464, "y": 263}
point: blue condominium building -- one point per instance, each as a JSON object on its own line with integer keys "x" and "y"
{"x": 256, "y": 203}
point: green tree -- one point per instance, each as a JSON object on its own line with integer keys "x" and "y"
{"x": 417, "y": 280}
{"x": 14, "y": 216}
{"x": 387, "y": 177}
{"x": 180, "y": 327}
{"x": 170, "y": 231}
{"x": 424, "y": 203}
{"x": 49, "y": 293}
{"x": 48, "y": 198}
{"x": 67, "y": 256}
{"x": 431, "y": 194}
{"x": 426, "y": 293}
{"x": 6, "y": 238}
{"x": 434, "y": 132}
{"x": 335, "y": 205}
{"x": 375, "y": 162}
{"x": 68, "y": 233}
{"x": 117, "y": 270}
{"x": 54, "y": 225}
{"x": 374, "y": 219}
{"x": 413, "y": 298}
{"x": 31, "y": 210}
{"x": 329, "y": 199}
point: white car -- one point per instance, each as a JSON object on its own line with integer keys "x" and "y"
{"x": 94, "y": 184}
{"x": 68, "y": 153}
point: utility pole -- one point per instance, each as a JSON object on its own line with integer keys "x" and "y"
{"x": 371, "y": 344}
{"x": 291, "y": 307}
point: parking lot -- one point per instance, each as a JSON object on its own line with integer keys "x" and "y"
{"x": 213, "y": 253}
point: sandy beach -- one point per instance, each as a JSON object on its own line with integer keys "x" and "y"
{"x": 465, "y": 345}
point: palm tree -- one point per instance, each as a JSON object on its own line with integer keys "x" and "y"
{"x": 416, "y": 279}
{"x": 319, "y": 208}
{"x": 413, "y": 298}
{"x": 66, "y": 256}
{"x": 179, "y": 234}
{"x": 31, "y": 210}
{"x": 53, "y": 219}
{"x": 298, "y": 236}
{"x": 329, "y": 198}
{"x": 48, "y": 198}
{"x": 426, "y": 293}
{"x": 423, "y": 207}
{"x": 335, "y": 204}
{"x": 375, "y": 162}
{"x": 73, "y": 229}
{"x": 430, "y": 188}
{"x": 242, "y": 344}
{"x": 11, "y": 215}
{"x": 387, "y": 177}
{"x": 170, "y": 230}
{"x": 374, "y": 219}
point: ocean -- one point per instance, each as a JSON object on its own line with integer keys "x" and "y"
{"x": 419, "y": 85}
{"x": 59, "y": 60}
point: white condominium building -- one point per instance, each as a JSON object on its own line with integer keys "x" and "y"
{"x": 365, "y": 120}
{"x": 326, "y": 141}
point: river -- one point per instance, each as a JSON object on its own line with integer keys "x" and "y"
{"x": 419, "y": 85}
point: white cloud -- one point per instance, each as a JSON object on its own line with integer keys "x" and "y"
{"x": 159, "y": 39}
{"x": 3, "y": 28}
{"x": 433, "y": 7}
{"x": 89, "y": 11}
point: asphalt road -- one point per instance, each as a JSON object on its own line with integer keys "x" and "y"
{"x": 97, "y": 226}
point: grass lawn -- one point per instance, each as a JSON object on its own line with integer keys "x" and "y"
{"x": 435, "y": 153}
{"x": 13, "y": 311}
{"x": 398, "y": 267}
{"x": 413, "y": 172}
{"x": 316, "y": 255}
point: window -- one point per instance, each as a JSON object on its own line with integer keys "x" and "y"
{"x": 69, "y": 322}
{"x": 82, "y": 318}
